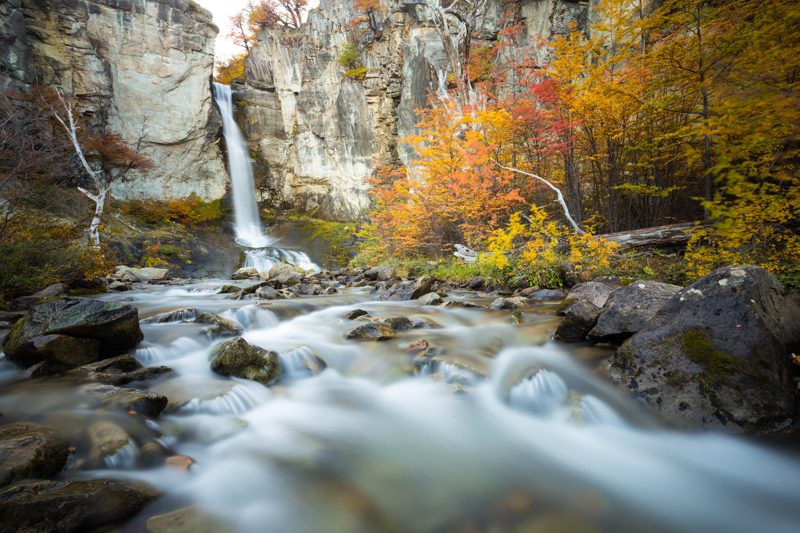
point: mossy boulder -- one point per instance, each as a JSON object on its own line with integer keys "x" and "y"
{"x": 717, "y": 355}
{"x": 73, "y": 332}
{"x": 371, "y": 331}
{"x": 29, "y": 451}
{"x": 65, "y": 506}
{"x": 238, "y": 358}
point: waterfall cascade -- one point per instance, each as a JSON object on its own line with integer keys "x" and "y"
{"x": 249, "y": 232}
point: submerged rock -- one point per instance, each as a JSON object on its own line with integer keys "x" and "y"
{"x": 717, "y": 355}
{"x": 100, "y": 329}
{"x": 371, "y": 331}
{"x": 629, "y": 308}
{"x": 105, "y": 439}
{"x": 112, "y": 397}
{"x": 186, "y": 520}
{"x": 30, "y": 450}
{"x": 65, "y": 506}
{"x": 238, "y": 358}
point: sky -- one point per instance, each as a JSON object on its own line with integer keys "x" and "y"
{"x": 223, "y": 10}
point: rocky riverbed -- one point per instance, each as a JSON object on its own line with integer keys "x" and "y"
{"x": 355, "y": 400}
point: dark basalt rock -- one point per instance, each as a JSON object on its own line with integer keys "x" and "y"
{"x": 65, "y": 506}
{"x": 30, "y": 450}
{"x": 102, "y": 329}
{"x": 579, "y": 318}
{"x": 119, "y": 370}
{"x": 717, "y": 354}
{"x": 239, "y": 358}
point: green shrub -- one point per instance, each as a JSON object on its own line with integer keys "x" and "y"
{"x": 349, "y": 57}
{"x": 359, "y": 73}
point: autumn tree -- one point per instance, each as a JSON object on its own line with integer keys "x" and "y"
{"x": 369, "y": 14}
{"x": 277, "y": 13}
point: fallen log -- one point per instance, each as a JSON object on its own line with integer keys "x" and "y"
{"x": 668, "y": 236}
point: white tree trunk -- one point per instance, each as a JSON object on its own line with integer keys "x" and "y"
{"x": 99, "y": 198}
{"x": 559, "y": 196}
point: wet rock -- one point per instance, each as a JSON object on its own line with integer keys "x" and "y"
{"x": 267, "y": 293}
{"x": 119, "y": 370}
{"x": 252, "y": 288}
{"x": 431, "y": 298}
{"x": 118, "y": 286}
{"x": 179, "y": 462}
{"x": 629, "y": 308}
{"x": 186, "y": 520}
{"x": 424, "y": 322}
{"x": 114, "y": 325}
{"x": 416, "y": 346}
{"x": 245, "y": 273}
{"x": 229, "y": 288}
{"x": 517, "y": 318}
{"x": 355, "y": 313}
{"x": 126, "y": 273}
{"x": 510, "y": 303}
{"x": 717, "y": 355}
{"x": 105, "y": 439}
{"x": 546, "y": 294}
{"x": 397, "y": 323}
{"x": 594, "y": 292}
{"x": 219, "y": 326}
{"x": 408, "y": 290}
{"x": 579, "y": 318}
{"x": 477, "y": 283}
{"x": 306, "y": 289}
{"x": 70, "y": 351}
{"x": 152, "y": 454}
{"x": 30, "y": 450}
{"x": 371, "y": 331}
{"x": 304, "y": 361}
{"x": 66, "y": 506}
{"x": 56, "y": 290}
{"x": 178, "y": 315}
{"x": 238, "y": 358}
{"x": 112, "y": 397}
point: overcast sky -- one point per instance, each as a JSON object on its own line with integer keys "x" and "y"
{"x": 223, "y": 10}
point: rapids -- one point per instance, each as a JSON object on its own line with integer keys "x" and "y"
{"x": 541, "y": 443}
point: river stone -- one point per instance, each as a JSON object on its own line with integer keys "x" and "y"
{"x": 66, "y": 506}
{"x": 178, "y": 315}
{"x": 355, "y": 313}
{"x": 105, "y": 439}
{"x": 408, "y": 290}
{"x": 186, "y": 520}
{"x": 397, "y": 323}
{"x": 306, "y": 289}
{"x": 109, "y": 396}
{"x": 245, "y": 273}
{"x": 510, "y": 303}
{"x": 152, "y": 454}
{"x": 629, "y": 308}
{"x": 267, "y": 293}
{"x": 579, "y": 318}
{"x": 717, "y": 354}
{"x": 114, "y": 325}
{"x": 371, "y": 331}
{"x": 238, "y": 358}
{"x": 229, "y": 288}
{"x": 432, "y": 298}
{"x": 219, "y": 326}
{"x": 545, "y": 294}
{"x": 594, "y": 292}
{"x": 30, "y": 450}
{"x": 70, "y": 351}
{"x": 477, "y": 283}
{"x": 119, "y": 370}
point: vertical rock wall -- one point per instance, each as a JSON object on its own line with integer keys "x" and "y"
{"x": 316, "y": 135}
{"x": 141, "y": 67}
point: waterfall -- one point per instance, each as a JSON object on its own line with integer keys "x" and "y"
{"x": 248, "y": 228}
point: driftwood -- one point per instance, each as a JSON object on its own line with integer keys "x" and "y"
{"x": 669, "y": 236}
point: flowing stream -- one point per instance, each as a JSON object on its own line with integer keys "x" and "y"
{"x": 249, "y": 232}
{"x": 507, "y": 431}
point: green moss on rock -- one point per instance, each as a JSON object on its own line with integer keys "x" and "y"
{"x": 699, "y": 348}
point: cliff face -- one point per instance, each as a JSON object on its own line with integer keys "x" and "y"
{"x": 141, "y": 68}
{"x": 316, "y": 134}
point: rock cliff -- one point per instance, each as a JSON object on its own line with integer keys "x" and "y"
{"x": 316, "y": 134}
{"x": 140, "y": 68}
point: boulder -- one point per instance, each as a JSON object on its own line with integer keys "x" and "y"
{"x": 432, "y": 298}
{"x": 238, "y": 358}
{"x": 397, "y": 323}
{"x": 545, "y": 294}
{"x": 355, "y": 313}
{"x": 267, "y": 293}
{"x": 218, "y": 326}
{"x": 594, "y": 292}
{"x": 477, "y": 283}
{"x": 30, "y": 450}
{"x": 118, "y": 286}
{"x": 371, "y": 331}
{"x": 66, "y": 506}
{"x": 178, "y": 315}
{"x": 306, "y": 289}
{"x": 579, "y": 318}
{"x": 245, "y": 273}
{"x": 128, "y": 400}
{"x": 229, "y": 288}
{"x": 408, "y": 290}
{"x": 717, "y": 355}
{"x": 152, "y": 454}
{"x": 510, "y": 303}
{"x": 119, "y": 370}
{"x": 125, "y": 273}
{"x": 56, "y": 290}
{"x": 629, "y": 308}
{"x": 115, "y": 326}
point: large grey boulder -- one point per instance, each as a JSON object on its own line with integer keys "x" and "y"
{"x": 65, "y": 506}
{"x": 629, "y": 308}
{"x": 30, "y": 450}
{"x": 595, "y": 292}
{"x": 73, "y": 332}
{"x": 579, "y": 318}
{"x": 717, "y": 354}
{"x": 238, "y": 358}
